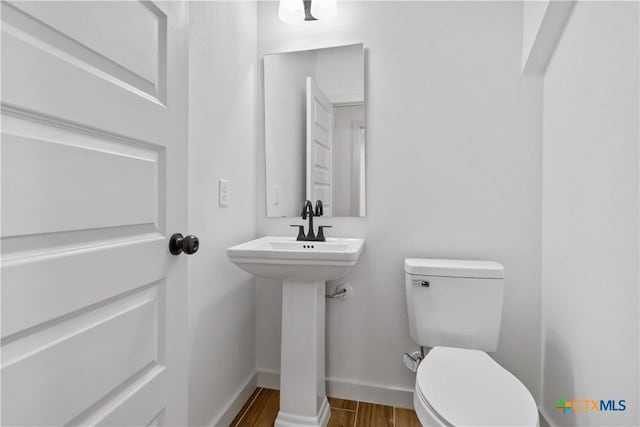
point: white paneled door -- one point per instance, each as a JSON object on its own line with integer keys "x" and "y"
{"x": 319, "y": 147}
{"x": 94, "y": 140}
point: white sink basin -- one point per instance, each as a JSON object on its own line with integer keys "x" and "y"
{"x": 284, "y": 258}
{"x": 303, "y": 268}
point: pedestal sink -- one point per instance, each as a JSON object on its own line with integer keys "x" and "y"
{"x": 303, "y": 268}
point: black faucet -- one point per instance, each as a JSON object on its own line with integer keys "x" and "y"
{"x": 308, "y": 212}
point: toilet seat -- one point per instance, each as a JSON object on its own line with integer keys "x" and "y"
{"x": 461, "y": 387}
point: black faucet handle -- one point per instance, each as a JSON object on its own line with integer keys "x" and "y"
{"x": 320, "y": 235}
{"x": 319, "y": 208}
{"x": 300, "y": 231}
{"x": 307, "y": 207}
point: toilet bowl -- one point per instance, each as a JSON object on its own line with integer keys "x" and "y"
{"x": 461, "y": 387}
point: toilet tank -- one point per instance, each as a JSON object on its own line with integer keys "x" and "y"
{"x": 454, "y": 303}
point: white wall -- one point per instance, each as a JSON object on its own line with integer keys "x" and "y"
{"x": 346, "y": 191}
{"x": 532, "y": 17}
{"x": 591, "y": 216}
{"x": 222, "y": 78}
{"x": 340, "y": 73}
{"x": 542, "y": 24}
{"x": 453, "y": 163}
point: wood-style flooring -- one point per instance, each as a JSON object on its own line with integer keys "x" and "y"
{"x": 261, "y": 410}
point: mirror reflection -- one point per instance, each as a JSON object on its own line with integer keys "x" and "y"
{"x": 315, "y": 131}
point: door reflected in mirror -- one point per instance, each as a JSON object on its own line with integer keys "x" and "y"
{"x": 315, "y": 131}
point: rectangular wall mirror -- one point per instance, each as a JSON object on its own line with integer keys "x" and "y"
{"x": 315, "y": 131}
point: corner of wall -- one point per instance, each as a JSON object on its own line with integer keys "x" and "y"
{"x": 543, "y": 24}
{"x": 222, "y": 144}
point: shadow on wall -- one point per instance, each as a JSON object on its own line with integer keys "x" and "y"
{"x": 557, "y": 375}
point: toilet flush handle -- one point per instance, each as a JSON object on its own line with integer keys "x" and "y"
{"x": 423, "y": 283}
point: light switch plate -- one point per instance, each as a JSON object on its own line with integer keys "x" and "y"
{"x": 223, "y": 193}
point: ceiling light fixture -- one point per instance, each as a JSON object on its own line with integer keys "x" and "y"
{"x": 291, "y": 11}
{"x": 297, "y": 11}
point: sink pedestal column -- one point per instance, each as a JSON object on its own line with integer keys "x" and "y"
{"x": 303, "y": 400}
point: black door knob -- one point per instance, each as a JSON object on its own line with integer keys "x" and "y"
{"x": 179, "y": 243}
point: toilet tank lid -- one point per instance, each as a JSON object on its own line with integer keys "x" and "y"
{"x": 454, "y": 268}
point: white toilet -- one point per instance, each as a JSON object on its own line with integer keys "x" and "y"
{"x": 455, "y": 308}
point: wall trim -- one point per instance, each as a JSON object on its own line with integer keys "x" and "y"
{"x": 269, "y": 378}
{"x": 345, "y": 389}
{"x": 350, "y": 389}
{"x": 235, "y": 403}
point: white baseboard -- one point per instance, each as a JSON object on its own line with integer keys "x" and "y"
{"x": 349, "y": 389}
{"x": 268, "y": 378}
{"x": 344, "y": 389}
{"x": 235, "y": 403}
